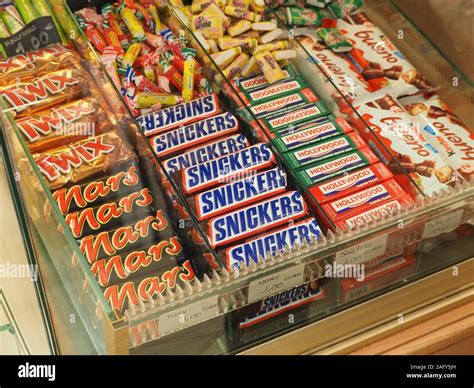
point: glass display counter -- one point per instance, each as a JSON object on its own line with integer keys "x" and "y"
{"x": 201, "y": 304}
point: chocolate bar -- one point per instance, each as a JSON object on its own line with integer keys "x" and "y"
{"x": 317, "y": 152}
{"x": 124, "y": 181}
{"x": 109, "y": 215}
{"x": 57, "y": 87}
{"x": 137, "y": 291}
{"x": 267, "y": 245}
{"x": 312, "y": 132}
{"x": 224, "y": 169}
{"x": 83, "y": 160}
{"x": 179, "y": 115}
{"x": 206, "y": 152}
{"x": 350, "y": 183}
{"x": 335, "y": 167}
{"x": 34, "y": 62}
{"x": 223, "y": 199}
{"x": 141, "y": 233}
{"x": 64, "y": 124}
{"x": 177, "y": 140}
{"x": 141, "y": 263}
{"x": 244, "y": 222}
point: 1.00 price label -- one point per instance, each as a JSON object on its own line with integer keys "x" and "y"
{"x": 37, "y": 34}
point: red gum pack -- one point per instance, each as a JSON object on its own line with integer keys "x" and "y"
{"x": 363, "y": 200}
{"x": 377, "y": 277}
{"x": 376, "y": 213}
{"x": 350, "y": 183}
{"x": 256, "y": 218}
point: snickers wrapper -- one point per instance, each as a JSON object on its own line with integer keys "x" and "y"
{"x": 180, "y": 139}
{"x": 83, "y": 160}
{"x": 206, "y": 152}
{"x": 179, "y": 115}
{"x": 239, "y": 193}
{"x": 256, "y": 218}
{"x": 230, "y": 167}
{"x": 64, "y": 124}
{"x": 269, "y": 244}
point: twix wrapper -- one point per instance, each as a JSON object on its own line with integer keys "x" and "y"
{"x": 32, "y": 63}
{"x": 57, "y": 87}
{"x": 64, "y": 124}
{"x": 84, "y": 159}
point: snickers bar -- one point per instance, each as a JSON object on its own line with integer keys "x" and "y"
{"x": 324, "y": 150}
{"x": 242, "y": 223}
{"x": 350, "y": 183}
{"x": 269, "y": 244}
{"x": 177, "y": 140}
{"x": 312, "y": 132}
{"x": 228, "y": 197}
{"x": 179, "y": 115}
{"x": 230, "y": 167}
{"x": 335, "y": 167}
{"x": 206, "y": 152}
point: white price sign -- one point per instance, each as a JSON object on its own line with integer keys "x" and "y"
{"x": 273, "y": 284}
{"x": 189, "y": 315}
{"x": 363, "y": 252}
{"x": 442, "y": 224}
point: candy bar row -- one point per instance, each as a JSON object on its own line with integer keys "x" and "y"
{"x": 114, "y": 209}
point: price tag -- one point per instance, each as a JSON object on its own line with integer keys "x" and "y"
{"x": 442, "y": 224}
{"x": 188, "y": 315}
{"x": 363, "y": 252}
{"x": 37, "y": 34}
{"x": 273, "y": 284}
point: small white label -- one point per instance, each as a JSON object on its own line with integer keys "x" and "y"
{"x": 442, "y": 224}
{"x": 273, "y": 284}
{"x": 188, "y": 315}
{"x": 363, "y": 252}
